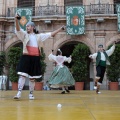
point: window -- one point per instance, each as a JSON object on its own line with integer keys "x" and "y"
{"x": 116, "y": 1}
{"x": 72, "y": 2}
{"x": 26, "y": 3}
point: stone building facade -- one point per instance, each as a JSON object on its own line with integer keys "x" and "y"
{"x": 100, "y": 26}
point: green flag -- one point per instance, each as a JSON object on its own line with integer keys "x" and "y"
{"x": 118, "y": 16}
{"x": 26, "y": 14}
{"x": 75, "y": 17}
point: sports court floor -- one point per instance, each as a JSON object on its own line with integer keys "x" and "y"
{"x": 78, "y": 105}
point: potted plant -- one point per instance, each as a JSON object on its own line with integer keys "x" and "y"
{"x": 2, "y": 61}
{"x": 13, "y": 58}
{"x": 113, "y": 70}
{"x": 80, "y": 65}
{"x": 39, "y": 83}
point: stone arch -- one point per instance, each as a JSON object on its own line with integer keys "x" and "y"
{"x": 114, "y": 38}
{"x": 68, "y": 38}
{"x": 11, "y": 42}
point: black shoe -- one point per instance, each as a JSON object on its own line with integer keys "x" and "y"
{"x": 63, "y": 92}
{"x": 67, "y": 90}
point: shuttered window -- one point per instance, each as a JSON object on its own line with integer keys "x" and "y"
{"x": 73, "y": 2}
{"x": 116, "y": 1}
{"x": 26, "y": 3}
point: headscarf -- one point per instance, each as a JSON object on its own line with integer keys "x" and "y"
{"x": 31, "y": 23}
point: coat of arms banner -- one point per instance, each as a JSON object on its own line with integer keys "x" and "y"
{"x": 75, "y": 20}
{"x": 118, "y": 16}
{"x": 26, "y": 14}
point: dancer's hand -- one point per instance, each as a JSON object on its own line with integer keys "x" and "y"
{"x": 63, "y": 27}
{"x": 17, "y": 16}
{"x": 90, "y": 56}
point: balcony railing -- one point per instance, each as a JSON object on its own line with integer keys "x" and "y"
{"x": 51, "y": 10}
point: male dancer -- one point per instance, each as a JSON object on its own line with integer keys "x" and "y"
{"x": 102, "y": 59}
{"x": 29, "y": 65}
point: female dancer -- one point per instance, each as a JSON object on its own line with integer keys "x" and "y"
{"x": 61, "y": 76}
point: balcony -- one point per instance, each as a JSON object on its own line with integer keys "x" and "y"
{"x": 54, "y": 10}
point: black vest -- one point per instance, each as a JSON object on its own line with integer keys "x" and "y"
{"x": 98, "y": 58}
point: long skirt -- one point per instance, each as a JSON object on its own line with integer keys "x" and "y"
{"x": 61, "y": 77}
{"x": 29, "y": 66}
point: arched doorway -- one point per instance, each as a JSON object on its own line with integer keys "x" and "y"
{"x": 67, "y": 50}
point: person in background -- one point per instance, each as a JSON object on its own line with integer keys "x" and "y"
{"x": 102, "y": 59}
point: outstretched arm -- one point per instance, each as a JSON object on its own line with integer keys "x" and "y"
{"x": 93, "y": 56}
{"x": 52, "y": 57}
{"x": 19, "y": 32}
{"x": 111, "y": 50}
{"x": 45, "y": 36}
{"x": 68, "y": 59}
{"x": 58, "y": 30}
{"x": 16, "y": 23}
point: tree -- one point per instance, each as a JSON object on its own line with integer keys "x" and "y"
{"x": 2, "y": 61}
{"x": 80, "y": 62}
{"x": 113, "y": 70}
{"x": 13, "y": 59}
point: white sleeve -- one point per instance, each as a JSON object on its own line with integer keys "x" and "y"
{"x": 111, "y": 50}
{"x": 68, "y": 59}
{"x": 52, "y": 57}
{"x": 44, "y": 36}
{"x": 93, "y": 56}
{"x": 20, "y": 34}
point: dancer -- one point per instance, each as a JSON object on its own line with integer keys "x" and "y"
{"x": 102, "y": 59}
{"x": 29, "y": 65}
{"x": 61, "y": 76}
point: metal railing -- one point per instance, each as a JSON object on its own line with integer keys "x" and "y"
{"x": 100, "y": 9}
{"x": 51, "y": 10}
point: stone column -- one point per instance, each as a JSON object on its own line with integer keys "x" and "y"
{"x": 99, "y": 39}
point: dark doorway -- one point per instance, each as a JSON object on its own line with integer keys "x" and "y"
{"x": 67, "y": 50}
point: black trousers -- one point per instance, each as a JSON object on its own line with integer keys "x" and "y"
{"x": 100, "y": 72}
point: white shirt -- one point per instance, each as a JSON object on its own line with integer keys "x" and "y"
{"x": 31, "y": 42}
{"x": 103, "y": 58}
{"x": 59, "y": 59}
{"x": 42, "y": 36}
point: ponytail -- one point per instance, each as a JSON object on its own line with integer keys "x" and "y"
{"x": 35, "y": 31}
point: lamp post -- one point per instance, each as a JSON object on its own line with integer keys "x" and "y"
{"x": 99, "y": 2}
{"x": 48, "y": 2}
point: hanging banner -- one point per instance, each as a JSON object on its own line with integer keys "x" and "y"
{"x": 26, "y": 15}
{"x": 75, "y": 20}
{"x": 118, "y": 16}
